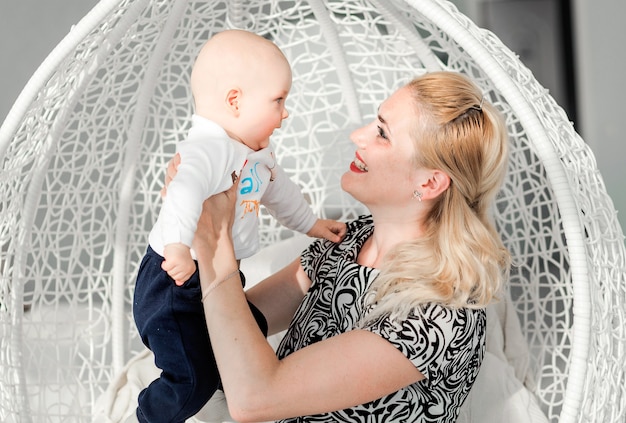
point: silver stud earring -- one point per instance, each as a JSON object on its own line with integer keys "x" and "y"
{"x": 418, "y": 195}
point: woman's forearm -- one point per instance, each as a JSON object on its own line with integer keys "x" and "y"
{"x": 279, "y": 295}
{"x": 340, "y": 372}
{"x": 244, "y": 357}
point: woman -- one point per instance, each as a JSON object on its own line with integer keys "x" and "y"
{"x": 389, "y": 324}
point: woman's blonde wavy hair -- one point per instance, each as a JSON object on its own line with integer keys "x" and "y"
{"x": 461, "y": 261}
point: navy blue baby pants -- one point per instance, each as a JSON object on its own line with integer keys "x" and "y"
{"x": 170, "y": 320}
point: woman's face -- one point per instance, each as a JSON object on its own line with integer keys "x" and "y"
{"x": 382, "y": 172}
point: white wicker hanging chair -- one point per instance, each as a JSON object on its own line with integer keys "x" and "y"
{"x": 84, "y": 148}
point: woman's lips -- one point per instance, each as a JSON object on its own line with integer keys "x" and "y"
{"x": 355, "y": 169}
{"x": 358, "y": 165}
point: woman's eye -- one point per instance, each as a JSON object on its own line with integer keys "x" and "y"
{"x": 382, "y": 133}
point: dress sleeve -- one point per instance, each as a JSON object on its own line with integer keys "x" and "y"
{"x": 311, "y": 256}
{"x": 438, "y": 341}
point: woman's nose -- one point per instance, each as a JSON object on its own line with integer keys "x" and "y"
{"x": 358, "y": 137}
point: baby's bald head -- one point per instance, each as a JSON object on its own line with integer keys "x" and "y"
{"x": 232, "y": 58}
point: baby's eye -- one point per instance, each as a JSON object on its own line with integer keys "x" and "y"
{"x": 381, "y": 133}
{"x": 280, "y": 100}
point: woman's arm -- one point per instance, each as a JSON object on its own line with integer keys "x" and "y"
{"x": 279, "y": 295}
{"x": 343, "y": 371}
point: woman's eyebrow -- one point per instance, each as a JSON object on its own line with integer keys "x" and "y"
{"x": 380, "y": 118}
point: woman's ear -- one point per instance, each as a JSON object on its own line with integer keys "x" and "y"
{"x": 233, "y": 96}
{"x": 436, "y": 182}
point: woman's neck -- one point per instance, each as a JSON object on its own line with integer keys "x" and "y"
{"x": 388, "y": 232}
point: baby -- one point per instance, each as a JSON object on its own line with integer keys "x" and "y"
{"x": 239, "y": 82}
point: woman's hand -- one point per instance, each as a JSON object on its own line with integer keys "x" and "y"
{"x": 172, "y": 168}
{"x": 341, "y": 371}
{"x": 216, "y": 220}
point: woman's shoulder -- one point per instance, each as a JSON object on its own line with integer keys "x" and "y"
{"x": 361, "y": 223}
{"x": 357, "y": 231}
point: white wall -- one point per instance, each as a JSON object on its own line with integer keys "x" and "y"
{"x": 29, "y": 30}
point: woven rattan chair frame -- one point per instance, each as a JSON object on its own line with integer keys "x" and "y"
{"x": 83, "y": 153}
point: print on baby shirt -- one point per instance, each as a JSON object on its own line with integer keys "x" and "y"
{"x": 254, "y": 182}
{"x": 250, "y": 184}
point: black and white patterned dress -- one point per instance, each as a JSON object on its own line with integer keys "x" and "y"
{"x": 445, "y": 345}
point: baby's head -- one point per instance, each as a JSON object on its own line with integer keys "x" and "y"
{"x": 240, "y": 81}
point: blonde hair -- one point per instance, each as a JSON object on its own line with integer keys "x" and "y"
{"x": 461, "y": 261}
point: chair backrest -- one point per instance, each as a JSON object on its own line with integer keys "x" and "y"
{"x": 84, "y": 149}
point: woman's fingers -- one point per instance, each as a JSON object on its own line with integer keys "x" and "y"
{"x": 170, "y": 172}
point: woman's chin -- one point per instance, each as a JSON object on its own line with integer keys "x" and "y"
{"x": 348, "y": 184}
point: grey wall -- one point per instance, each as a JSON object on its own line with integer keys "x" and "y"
{"x": 528, "y": 27}
{"x": 601, "y": 59}
{"x": 29, "y": 30}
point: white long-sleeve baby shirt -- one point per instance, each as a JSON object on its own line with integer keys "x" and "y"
{"x": 208, "y": 158}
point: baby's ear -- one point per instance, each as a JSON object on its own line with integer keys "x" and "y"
{"x": 232, "y": 100}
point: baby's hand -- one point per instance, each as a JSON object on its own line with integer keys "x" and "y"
{"x": 178, "y": 262}
{"x": 329, "y": 229}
